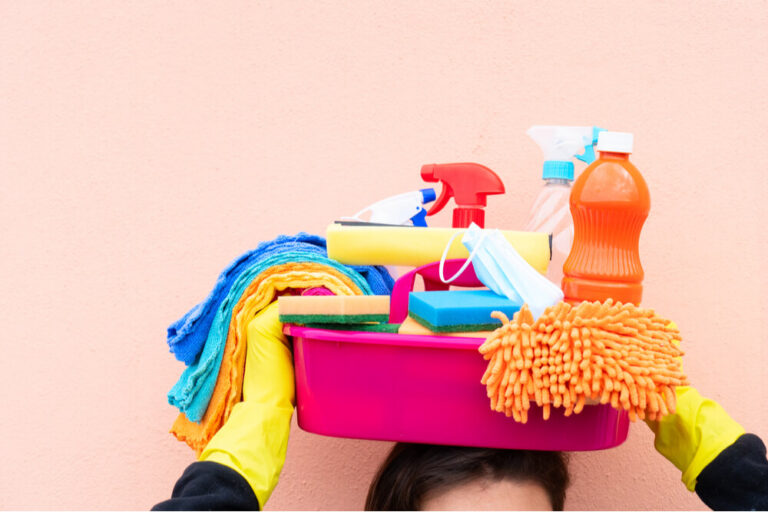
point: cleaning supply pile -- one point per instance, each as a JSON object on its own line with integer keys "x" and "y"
{"x": 566, "y": 348}
{"x": 610, "y": 352}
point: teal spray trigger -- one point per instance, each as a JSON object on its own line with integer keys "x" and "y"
{"x": 403, "y": 209}
{"x": 561, "y": 144}
{"x": 589, "y": 149}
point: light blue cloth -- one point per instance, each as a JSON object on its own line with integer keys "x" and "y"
{"x": 193, "y": 391}
{"x": 187, "y": 335}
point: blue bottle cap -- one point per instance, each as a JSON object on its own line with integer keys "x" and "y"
{"x": 557, "y": 169}
{"x": 428, "y": 194}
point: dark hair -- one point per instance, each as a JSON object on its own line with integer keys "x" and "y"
{"x": 411, "y": 471}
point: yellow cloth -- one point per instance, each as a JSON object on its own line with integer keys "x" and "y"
{"x": 259, "y": 293}
{"x": 254, "y": 439}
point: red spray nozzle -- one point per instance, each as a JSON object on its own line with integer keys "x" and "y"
{"x": 469, "y": 184}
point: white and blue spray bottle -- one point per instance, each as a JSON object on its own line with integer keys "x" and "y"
{"x": 551, "y": 211}
{"x": 402, "y": 210}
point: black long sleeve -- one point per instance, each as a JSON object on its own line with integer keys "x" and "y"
{"x": 210, "y": 486}
{"x": 738, "y": 478}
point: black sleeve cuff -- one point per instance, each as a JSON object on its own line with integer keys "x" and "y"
{"x": 738, "y": 478}
{"x": 210, "y": 486}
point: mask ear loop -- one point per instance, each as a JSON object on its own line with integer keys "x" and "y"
{"x": 466, "y": 263}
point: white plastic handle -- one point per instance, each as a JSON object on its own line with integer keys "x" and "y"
{"x": 466, "y": 263}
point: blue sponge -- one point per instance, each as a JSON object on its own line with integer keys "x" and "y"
{"x": 459, "y": 310}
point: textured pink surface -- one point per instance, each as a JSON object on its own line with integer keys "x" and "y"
{"x": 144, "y": 145}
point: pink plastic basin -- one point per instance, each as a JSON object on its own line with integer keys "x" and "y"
{"x": 425, "y": 389}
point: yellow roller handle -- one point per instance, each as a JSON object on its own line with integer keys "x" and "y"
{"x": 413, "y": 246}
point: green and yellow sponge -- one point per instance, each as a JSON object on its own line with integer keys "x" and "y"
{"x": 334, "y": 309}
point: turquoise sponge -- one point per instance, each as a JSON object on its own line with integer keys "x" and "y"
{"x": 459, "y": 310}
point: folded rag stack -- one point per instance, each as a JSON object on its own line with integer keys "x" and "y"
{"x": 211, "y": 337}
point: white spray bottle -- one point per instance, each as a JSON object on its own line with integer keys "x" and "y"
{"x": 402, "y": 210}
{"x": 551, "y": 211}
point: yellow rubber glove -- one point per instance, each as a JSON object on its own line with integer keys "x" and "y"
{"x": 695, "y": 434}
{"x": 254, "y": 439}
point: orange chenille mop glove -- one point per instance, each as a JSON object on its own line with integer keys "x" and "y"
{"x": 608, "y": 352}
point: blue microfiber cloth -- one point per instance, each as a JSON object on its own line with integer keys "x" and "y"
{"x": 187, "y": 335}
{"x": 194, "y": 388}
{"x": 377, "y": 277}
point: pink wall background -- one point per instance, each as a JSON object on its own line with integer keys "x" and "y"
{"x": 144, "y": 145}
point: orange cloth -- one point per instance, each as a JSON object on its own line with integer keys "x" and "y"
{"x": 229, "y": 382}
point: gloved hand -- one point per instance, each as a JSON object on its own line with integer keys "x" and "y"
{"x": 254, "y": 439}
{"x": 695, "y": 434}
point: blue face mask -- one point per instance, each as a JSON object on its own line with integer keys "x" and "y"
{"x": 499, "y": 267}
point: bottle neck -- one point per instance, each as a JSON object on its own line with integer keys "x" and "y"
{"x": 611, "y": 155}
{"x": 558, "y": 181}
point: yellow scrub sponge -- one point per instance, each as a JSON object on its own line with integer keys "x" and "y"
{"x": 334, "y": 309}
{"x": 412, "y": 246}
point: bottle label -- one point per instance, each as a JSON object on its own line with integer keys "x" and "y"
{"x": 605, "y": 245}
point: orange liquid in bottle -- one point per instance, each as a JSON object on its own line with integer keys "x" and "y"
{"x": 609, "y": 204}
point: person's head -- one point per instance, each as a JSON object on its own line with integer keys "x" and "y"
{"x": 423, "y": 477}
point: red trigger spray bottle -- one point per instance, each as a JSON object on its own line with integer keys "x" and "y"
{"x": 469, "y": 184}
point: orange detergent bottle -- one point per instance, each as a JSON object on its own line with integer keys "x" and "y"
{"x": 609, "y": 204}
